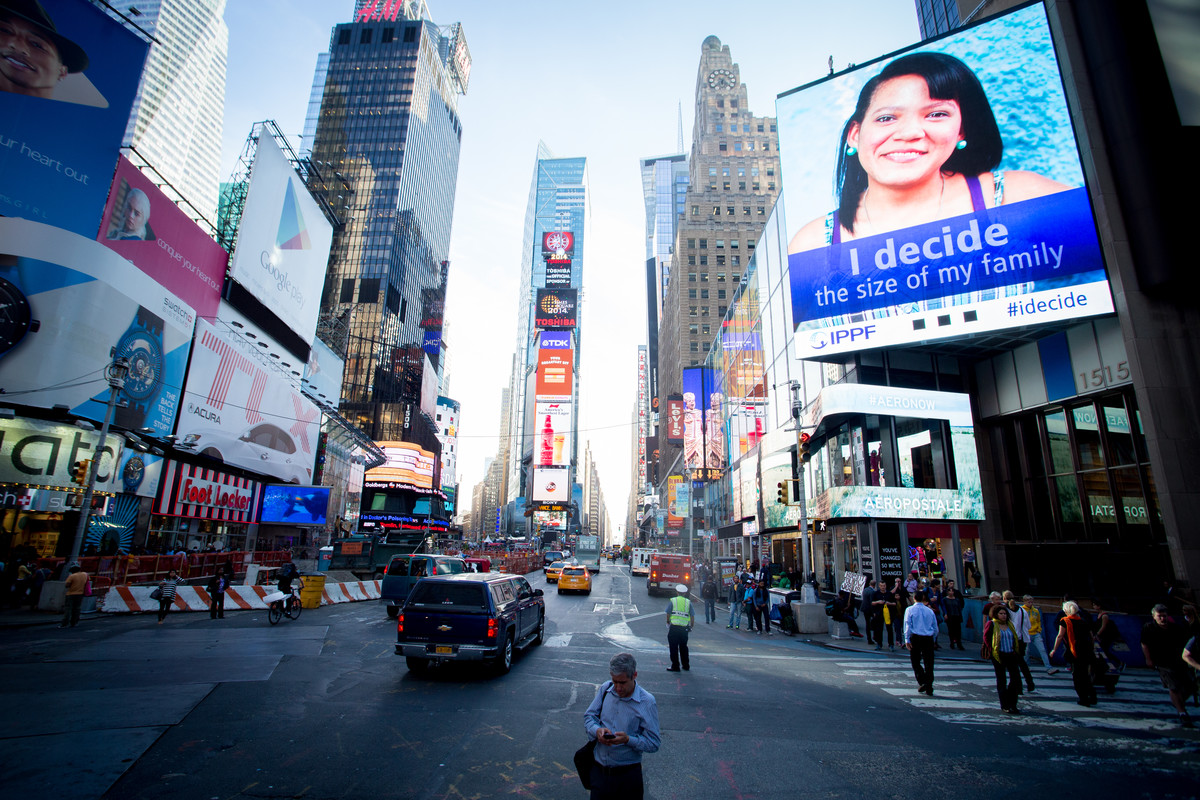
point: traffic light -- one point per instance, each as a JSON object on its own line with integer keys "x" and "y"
{"x": 79, "y": 472}
{"x": 805, "y": 455}
{"x": 782, "y": 496}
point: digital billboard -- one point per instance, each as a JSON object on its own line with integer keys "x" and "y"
{"x": 555, "y": 366}
{"x": 703, "y": 419}
{"x": 551, "y": 485}
{"x": 407, "y": 466}
{"x": 556, "y": 308}
{"x": 65, "y": 302}
{"x": 744, "y": 369}
{"x": 239, "y": 408}
{"x": 283, "y": 241}
{"x": 956, "y": 203}
{"x": 552, "y": 426}
{"x": 674, "y": 518}
{"x": 144, "y": 225}
{"x": 877, "y": 494}
{"x": 294, "y": 505}
{"x": 65, "y": 96}
{"x": 558, "y": 246}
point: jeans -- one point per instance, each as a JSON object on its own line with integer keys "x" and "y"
{"x": 1037, "y": 644}
{"x": 735, "y": 613}
{"x": 710, "y": 609}
{"x": 71, "y": 610}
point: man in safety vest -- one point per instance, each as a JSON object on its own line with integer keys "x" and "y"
{"x": 680, "y": 619}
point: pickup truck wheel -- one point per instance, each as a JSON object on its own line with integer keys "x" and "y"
{"x": 504, "y": 660}
{"x": 541, "y": 630}
{"x": 378, "y": 576}
{"x": 417, "y": 665}
{"x": 391, "y": 610}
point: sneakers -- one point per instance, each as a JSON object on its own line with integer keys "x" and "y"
{"x": 1186, "y": 721}
{"x": 1052, "y": 671}
{"x": 856, "y": 636}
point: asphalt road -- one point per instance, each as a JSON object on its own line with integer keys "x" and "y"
{"x": 321, "y": 708}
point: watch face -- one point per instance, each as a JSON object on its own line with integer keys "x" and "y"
{"x": 134, "y": 471}
{"x": 16, "y": 317}
{"x": 145, "y": 363}
{"x": 721, "y": 79}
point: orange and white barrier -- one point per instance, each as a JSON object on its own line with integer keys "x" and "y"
{"x": 134, "y": 599}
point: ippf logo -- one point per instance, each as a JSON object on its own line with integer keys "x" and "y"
{"x": 200, "y": 492}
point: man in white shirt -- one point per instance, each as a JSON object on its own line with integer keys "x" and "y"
{"x": 1020, "y": 620}
{"x": 920, "y": 633}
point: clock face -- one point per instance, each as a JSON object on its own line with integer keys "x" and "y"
{"x": 135, "y": 470}
{"x": 721, "y": 79}
{"x": 16, "y": 318}
{"x": 145, "y": 363}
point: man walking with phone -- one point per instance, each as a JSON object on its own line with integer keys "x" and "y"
{"x": 623, "y": 719}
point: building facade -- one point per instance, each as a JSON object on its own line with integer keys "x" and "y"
{"x": 178, "y": 115}
{"x": 385, "y": 158}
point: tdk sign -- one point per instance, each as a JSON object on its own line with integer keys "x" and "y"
{"x": 840, "y": 337}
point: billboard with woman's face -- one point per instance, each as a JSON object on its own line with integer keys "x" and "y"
{"x": 938, "y": 193}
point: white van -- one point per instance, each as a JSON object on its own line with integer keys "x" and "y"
{"x": 639, "y": 562}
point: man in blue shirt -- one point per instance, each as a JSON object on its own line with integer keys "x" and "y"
{"x": 623, "y": 719}
{"x": 920, "y": 634}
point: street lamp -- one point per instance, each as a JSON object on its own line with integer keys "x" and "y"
{"x": 115, "y": 373}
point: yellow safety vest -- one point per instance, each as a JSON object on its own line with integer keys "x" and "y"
{"x": 679, "y": 612}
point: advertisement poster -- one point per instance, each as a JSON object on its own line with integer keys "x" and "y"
{"x": 674, "y": 519}
{"x": 956, "y": 203}
{"x": 41, "y": 454}
{"x": 556, "y": 365}
{"x": 551, "y": 485}
{"x": 703, "y": 419}
{"x": 408, "y": 466}
{"x": 675, "y": 421}
{"x": 558, "y": 246}
{"x": 283, "y": 241}
{"x": 323, "y": 373}
{"x": 142, "y": 224}
{"x": 239, "y": 408}
{"x": 556, "y": 308}
{"x": 67, "y": 301}
{"x": 553, "y": 430}
{"x": 63, "y": 112}
{"x": 139, "y": 472}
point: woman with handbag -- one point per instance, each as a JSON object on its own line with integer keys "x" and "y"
{"x": 1000, "y": 644}
{"x": 166, "y": 594}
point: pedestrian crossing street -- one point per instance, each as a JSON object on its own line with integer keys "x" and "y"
{"x": 965, "y": 694}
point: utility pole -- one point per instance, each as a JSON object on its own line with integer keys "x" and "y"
{"x": 115, "y": 372}
{"x": 808, "y": 592}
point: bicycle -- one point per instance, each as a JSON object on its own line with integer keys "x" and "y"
{"x": 288, "y": 605}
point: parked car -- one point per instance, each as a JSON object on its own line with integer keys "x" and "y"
{"x": 403, "y": 572}
{"x": 575, "y": 579}
{"x": 552, "y": 571}
{"x": 471, "y": 616}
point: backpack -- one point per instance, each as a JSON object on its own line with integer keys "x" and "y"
{"x": 288, "y": 570}
{"x": 829, "y": 609}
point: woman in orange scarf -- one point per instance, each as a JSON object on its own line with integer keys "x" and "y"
{"x": 1077, "y": 634}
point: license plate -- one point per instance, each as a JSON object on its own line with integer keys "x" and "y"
{"x": 443, "y": 650}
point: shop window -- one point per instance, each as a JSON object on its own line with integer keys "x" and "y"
{"x": 1060, "y": 442}
{"x": 922, "y": 452}
{"x": 1121, "y": 448}
{"x": 1087, "y": 437}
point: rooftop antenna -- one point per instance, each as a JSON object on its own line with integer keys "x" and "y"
{"x": 680, "y": 150}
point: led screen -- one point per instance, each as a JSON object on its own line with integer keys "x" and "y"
{"x": 938, "y": 193}
{"x": 294, "y": 505}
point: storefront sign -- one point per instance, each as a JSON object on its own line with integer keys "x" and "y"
{"x": 42, "y": 454}
{"x": 891, "y": 559}
{"x": 200, "y": 493}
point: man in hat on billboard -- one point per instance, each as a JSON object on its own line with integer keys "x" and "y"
{"x": 680, "y": 619}
{"x": 34, "y": 57}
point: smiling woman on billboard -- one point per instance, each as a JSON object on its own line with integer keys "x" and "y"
{"x": 922, "y": 145}
{"x": 958, "y": 203}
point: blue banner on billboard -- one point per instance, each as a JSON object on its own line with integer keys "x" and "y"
{"x": 67, "y": 84}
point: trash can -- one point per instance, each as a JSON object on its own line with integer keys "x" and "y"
{"x": 314, "y": 587}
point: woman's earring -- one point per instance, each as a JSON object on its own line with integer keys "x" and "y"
{"x": 851, "y": 150}
{"x": 962, "y": 145}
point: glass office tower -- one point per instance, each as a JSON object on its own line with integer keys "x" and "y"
{"x": 385, "y": 153}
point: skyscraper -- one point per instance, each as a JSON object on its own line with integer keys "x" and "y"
{"x": 558, "y": 203}
{"x": 385, "y": 156}
{"x": 178, "y": 114}
{"x": 734, "y": 167}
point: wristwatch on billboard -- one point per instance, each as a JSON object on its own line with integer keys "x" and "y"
{"x": 16, "y": 316}
{"x": 142, "y": 346}
{"x": 133, "y": 473}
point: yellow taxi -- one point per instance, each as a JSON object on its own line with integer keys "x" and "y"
{"x": 553, "y": 570}
{"x": 575, "y": 579}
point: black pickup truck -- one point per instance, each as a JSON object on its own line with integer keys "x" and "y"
{"x": 469, "y": 617}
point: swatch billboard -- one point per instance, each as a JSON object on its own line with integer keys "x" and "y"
{"x": 283, "y": 241}
{"x": 239, "y": 408}
{"x": 67, "y": 81}
{"x": 65, "y": 302}
{"x": 955, "y": 203}
{"x": 144, "y": 225}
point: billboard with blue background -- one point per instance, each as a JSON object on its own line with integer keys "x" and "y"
{"x": 938, "y": 193}
{"x": 67, "y": 84}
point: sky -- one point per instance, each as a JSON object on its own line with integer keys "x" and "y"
{"x": 601, "y": 80}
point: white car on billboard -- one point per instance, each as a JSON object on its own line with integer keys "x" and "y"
{"x": 263, "y": 447}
